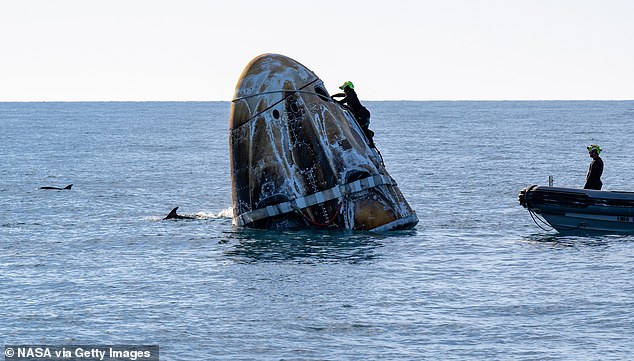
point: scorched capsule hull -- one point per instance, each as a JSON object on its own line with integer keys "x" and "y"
{"x": 300, "y": 160}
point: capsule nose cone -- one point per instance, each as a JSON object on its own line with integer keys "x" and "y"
{"x": 266, "y": 73}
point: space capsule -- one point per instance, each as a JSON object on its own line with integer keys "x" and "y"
{"x": 300, "y": 160}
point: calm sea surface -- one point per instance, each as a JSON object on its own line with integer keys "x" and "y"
{"x": 476, "y": 279}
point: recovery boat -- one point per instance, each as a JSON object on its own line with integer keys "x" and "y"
{"x": 571, "y": 210}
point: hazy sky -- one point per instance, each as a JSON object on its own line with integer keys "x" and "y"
{"x": 420, "y": 50}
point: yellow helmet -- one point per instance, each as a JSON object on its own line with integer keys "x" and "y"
{"x": 347, "y": 84}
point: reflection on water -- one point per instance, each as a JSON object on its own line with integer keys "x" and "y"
{"x": 306, "y": 246}
{"x": 578, "y": 240}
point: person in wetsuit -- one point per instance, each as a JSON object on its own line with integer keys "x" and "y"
{"x": 593, "y": 179}
{"x": 361, "y": 113}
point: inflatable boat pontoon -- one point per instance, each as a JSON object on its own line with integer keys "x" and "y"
{"x": 570, "y": 210}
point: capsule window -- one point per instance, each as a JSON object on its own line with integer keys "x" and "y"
{"x": 276, "y": 114}
{"x": 323, "y": 94}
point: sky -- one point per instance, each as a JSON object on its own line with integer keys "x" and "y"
{"x": 187, "y": 50}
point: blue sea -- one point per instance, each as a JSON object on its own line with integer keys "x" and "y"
{"x": 475, "y": 280}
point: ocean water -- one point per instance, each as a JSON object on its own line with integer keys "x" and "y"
{"x": 476, "y": 279}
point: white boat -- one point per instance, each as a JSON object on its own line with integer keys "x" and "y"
{"x": 571, "y": 210}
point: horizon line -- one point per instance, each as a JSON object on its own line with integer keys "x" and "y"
{"x": 365, "y": 100}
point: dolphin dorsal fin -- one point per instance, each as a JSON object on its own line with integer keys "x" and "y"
{"x": 68, "y": 186}
{"x": 172, "y": 214}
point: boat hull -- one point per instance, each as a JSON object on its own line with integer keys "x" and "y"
{"x": 300, "y": 160}
{"x": 570, "y": 210}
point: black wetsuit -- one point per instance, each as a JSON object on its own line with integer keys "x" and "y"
{"x": 593, "y": 180}
{"x": 361, "y": 113}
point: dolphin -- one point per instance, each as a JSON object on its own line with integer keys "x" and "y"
{"x": 58, "y": 188}
{"x": 174, "y": 215}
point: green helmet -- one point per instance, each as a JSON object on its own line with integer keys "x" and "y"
{"x": 347, "y": 84}
{"x": 592, "y": 147}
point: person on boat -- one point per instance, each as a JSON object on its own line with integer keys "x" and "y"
{"x": 593, "y": 179}
{"x": 361, "y": 113}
